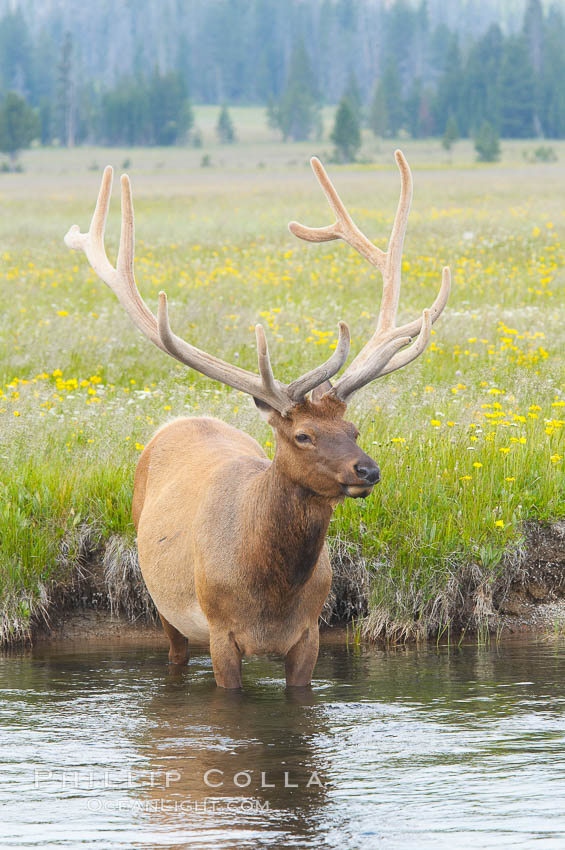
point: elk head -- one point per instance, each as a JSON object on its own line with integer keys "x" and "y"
{"x": 316, "y": 446}
{"x": 317, "y": 449}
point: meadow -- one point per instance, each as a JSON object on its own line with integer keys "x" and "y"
{"x": 469, "y": 438}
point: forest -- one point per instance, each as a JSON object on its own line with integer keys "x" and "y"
{"x": 70, "y": 75}
{"x": 86, "y": 78}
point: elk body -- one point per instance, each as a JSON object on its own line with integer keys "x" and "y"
{"x": 231, "y": 545}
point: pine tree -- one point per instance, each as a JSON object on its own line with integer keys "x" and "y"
{"x": 517, "y": 91}
{"x": 448, "y": 98}
{"x": 170, "y": 111}
{"x": 45, "y": 121}
{"x": 400, "y": 21}
{"x": 534, "y": 36}
{"x": 552, "y": 89}
{"x": 392, "y": 87}
{"x": 124, "y": 113}
{"x": 378, "y": 117}
{"x": 414, "y": 110}
{"x": 451, "y": 134}
{"x": 16, "y": 53}
{"x": 353, "y": 95}
{"x": 487, "y": 144}
{"x": 346, "y": 134}
{"x": 141, "y": 111}
{"x": 224, "y": 128}
{"x": 66, "y": 94}
{"x": 19, "y": 125}
{"x": 533, "y": 31}
{"x": 480, "y": 88}
{"x": 297, "y": 112}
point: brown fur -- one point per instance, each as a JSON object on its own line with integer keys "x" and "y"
{"x": 232, "y": 545}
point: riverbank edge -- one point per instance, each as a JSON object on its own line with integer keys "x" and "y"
{"x": 105, "y": 586}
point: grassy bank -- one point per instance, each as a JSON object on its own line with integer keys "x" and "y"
{"x": 469, "y": 438}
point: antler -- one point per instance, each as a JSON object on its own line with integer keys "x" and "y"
{"x": 382, "y": 354}
{"x": 121, "y": 280}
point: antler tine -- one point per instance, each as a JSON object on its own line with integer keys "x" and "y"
{"x": 126, "y": 290}
{"x": 264, "y": 361}
{"x": 410, "y": 328}
{"x": 374, "y": 362}
{"x": 393, "y": 264}
{"x": 299, "y": 388}
{"x": 389, "y": 358}
{"x": 264, "y": 387}
{"x": 351, "y": 381}
{"x": 121, "y": 280}
{"x": 437, "y": 307}
{"x": 382, "y": 354}
{"x": 389, "y": 262}
{"x": 127, "y": 234}
{"x": 418, "y": 346}
{"x": 92, "y": 242}
{"x": 343, "y": 228}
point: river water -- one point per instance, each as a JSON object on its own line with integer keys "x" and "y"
{"x": 413, "y": 748}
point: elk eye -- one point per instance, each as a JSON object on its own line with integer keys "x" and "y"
{"x": 303, "y": 438}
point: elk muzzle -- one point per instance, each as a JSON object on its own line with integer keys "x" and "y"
{"x": 367, "y": 474}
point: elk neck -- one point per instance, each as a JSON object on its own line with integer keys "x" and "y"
{"x": 287, "y": 529}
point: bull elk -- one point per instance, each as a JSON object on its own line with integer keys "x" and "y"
{"x": 231, "y": 545}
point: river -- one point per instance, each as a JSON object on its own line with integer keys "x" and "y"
{"x": 418, "y": 747}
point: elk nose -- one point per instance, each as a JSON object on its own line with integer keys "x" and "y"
{"x": 371, "y": 474}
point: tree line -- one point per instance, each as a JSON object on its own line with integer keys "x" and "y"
{"x": 395, "y": 68}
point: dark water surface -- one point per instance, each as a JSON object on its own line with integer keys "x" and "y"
{"x": 415, "y": 748}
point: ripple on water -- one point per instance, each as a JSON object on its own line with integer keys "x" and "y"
{"x": 423, "y": 747}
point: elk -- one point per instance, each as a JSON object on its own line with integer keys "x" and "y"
{"x": 231, "y": 544}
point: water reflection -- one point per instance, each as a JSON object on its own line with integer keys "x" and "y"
{"x": 417, "y": 747}
{"x": 249, "y": 753}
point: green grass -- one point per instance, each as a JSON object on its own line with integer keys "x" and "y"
{"x": 490, "y": 390}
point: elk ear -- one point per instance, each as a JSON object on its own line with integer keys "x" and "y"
{"x": 320, "y": 391}
{"x": 264, "y": 409}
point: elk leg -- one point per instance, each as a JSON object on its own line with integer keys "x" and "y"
{"x": 178, "y": 649}
{"x": 226, "y": 659}
{"x": 301, "y": 659}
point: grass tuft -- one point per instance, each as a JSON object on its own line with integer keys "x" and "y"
{"x": 124, "y": 583}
